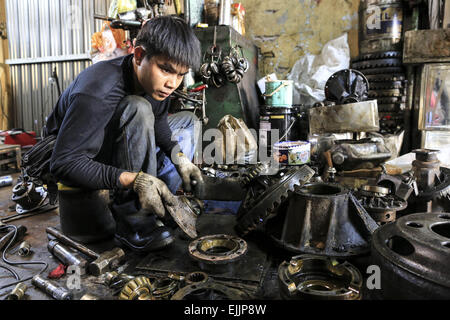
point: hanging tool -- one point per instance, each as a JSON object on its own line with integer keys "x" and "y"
{"x": 103, "y": 262}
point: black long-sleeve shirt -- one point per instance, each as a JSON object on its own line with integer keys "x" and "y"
{"x": 85, "y": 120}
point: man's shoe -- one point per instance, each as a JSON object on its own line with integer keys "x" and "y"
{"x": 142, "y": 232}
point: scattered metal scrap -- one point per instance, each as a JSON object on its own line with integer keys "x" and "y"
{"x": 319, "y": 278}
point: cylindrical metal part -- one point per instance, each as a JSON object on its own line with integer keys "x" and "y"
{"x": 6, "y": 181}
{"x": 67, "y": 257}
{"x": 24, "y": 249}
{"x": 225, "y": 12}
{"x": 56, "y": 292}
{"x": 21, "y": 230}
{"x": 67, "y": 241}
{"x": 380, "y": 26}
{"x": 18, "y": 292}
{"x": 335, "y": 231}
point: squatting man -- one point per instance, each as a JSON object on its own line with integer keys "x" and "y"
{"x": 114, "y": 132}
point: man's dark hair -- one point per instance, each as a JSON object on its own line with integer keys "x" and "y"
{"x": 172, "y": 37}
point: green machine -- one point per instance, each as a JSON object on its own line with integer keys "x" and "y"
{"x": 239, "y": 100}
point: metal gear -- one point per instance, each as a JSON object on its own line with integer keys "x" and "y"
{"x": 347, "y": 86}
{"x": 381, "y": 205}
{"x": 139, "y": 288}
{"x": 440, "y": 191}
{"x": 267, "y": 194}
{"x": 386, "y": 85}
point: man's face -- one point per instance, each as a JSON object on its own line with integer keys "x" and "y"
{"x": 158, "y": 76}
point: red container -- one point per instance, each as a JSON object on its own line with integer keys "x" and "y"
{"x": 20, "y": 137}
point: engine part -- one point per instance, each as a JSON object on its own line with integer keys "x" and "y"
{"x": 308, "y": 277}
{"x": 24, "y": 249}
{"x": 266, "y": 194}
{"x": 18, "y": 292}
{"x": 413, "y": 255}
{"x": 212, "y": 189}
{"x": 426, "y": 168}
{"x": 381, "y": 206}
{"x": 89, "y": 297}
{"x": 58, "y": 293}
{"x": 319, "y": 219}
{"x": 196, "y": 278}
{"x": 353, "y": 117}
{"x": 380, "y": 26}
{"x": 218, "y": 253}
{"x": 164, "y": 289}
{"x": 6, "y": 181}
{"x": 254, "y": 172}
{"x": 386, "y": 93}
{"x": 347, "y": 86}
{"x": 209, "y": 291}
{"x": 185, "y": 214}
{"x": 76, "y": 206}
{"x": 67, "y": 257}
{"x": 139, "y": 288}
{"x": 28, "y": 196}
{"x": 377, "y": 63}
{"x": 433, "y": 183}
{"x": 103, "y": 262}
{"x": 385, "y": 77}
{"x": 362, "y": 154}
{"x": 21, "y": 230}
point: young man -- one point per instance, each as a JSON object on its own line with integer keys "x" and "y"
{"x": 113, "y": 131}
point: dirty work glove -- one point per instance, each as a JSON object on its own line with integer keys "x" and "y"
{"x": 153, "y": 194}
{"x": 188, "y": 172}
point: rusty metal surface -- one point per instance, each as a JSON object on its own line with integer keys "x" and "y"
{"x": 426, "y": 46}
{"x": 248, "y": 270}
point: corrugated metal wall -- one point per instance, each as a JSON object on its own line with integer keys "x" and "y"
{"x": 43, "y": 35}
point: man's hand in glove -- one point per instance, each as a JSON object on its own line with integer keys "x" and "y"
{"x": 188, "y": 171}
{"x": 153, "y": 194}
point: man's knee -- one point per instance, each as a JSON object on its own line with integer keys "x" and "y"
{"x": 138, "y": 108}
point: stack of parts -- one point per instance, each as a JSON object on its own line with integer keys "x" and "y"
{"x": 387, "y": 80}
